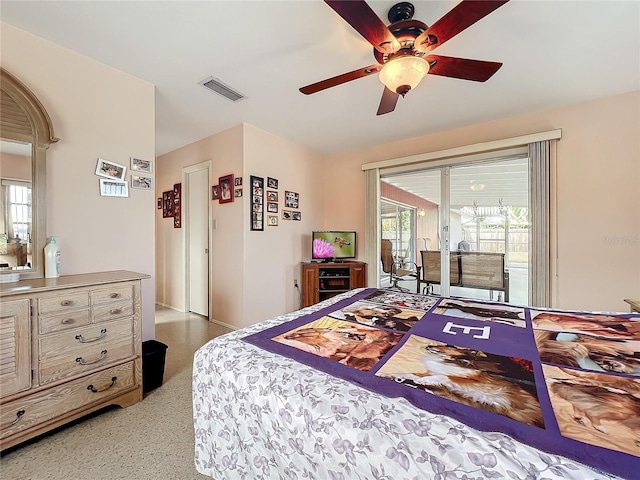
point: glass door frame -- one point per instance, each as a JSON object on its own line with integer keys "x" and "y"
{"x": 444, "y": 211}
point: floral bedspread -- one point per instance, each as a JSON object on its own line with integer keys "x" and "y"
{"x": 259, "y": 415}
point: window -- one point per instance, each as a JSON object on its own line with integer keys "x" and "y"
{"x": 17, "y": 215}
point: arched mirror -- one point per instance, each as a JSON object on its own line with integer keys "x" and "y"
{"x": 25, "y": 135}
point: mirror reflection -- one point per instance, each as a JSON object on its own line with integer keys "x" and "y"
{"x": 16, "y": 228}
{"x": 25, "y": 135}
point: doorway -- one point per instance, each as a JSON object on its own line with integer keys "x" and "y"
{"x": 197, "y": 239}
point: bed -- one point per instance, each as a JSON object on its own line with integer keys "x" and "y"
{"x": 269, "y": 403}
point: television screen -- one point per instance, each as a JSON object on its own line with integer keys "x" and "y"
{"x": 337, "y": 244}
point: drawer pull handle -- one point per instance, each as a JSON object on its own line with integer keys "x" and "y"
{"x": 81, "y": 361}
{"x": 68, "y": 321}
{"x": 95, "y": 390}
{"x": 19, "y": 415}
{"x": 66, "y": 303}
{"x": 114, "y": 295}
{"x": 115, "y": 311}
{"x": 103, "y": 333}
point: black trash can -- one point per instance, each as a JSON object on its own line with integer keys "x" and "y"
{"x": 153, "y": 358}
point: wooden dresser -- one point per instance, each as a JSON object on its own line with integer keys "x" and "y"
{"x": 68, "y": 347}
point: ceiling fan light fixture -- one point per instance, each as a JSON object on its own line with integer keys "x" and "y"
{"x": 403, "y": 73}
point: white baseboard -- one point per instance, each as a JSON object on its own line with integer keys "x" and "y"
{"x": 170, "y": 307}
{"x": 217, "y": 322}
{"x": 222, "y": 324}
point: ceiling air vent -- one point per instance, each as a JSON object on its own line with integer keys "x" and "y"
{"x": 220, "y": 88}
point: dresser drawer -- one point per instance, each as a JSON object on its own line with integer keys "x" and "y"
{"x": 48, "y": 404}
{"x": 63, "y": 321}
{"x": 74, "y": 341}
{"x": 103, "y": 313}
{"x": 91, "y": 357}
{"x": 112, "y": 294}
{"x": 65, "y": 301}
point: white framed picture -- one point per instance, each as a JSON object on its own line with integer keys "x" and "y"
{"x": 113, "y": 188}
{"x": 108, "y": 169}
{"x": 142, "y": 166}
{"x": 143, "y": 183}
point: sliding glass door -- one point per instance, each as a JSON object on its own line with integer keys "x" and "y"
{"x": 475, "y": 239}
{"x": 489, "y": 229}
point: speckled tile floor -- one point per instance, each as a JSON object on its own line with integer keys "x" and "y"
{"x": 150, "y": 440}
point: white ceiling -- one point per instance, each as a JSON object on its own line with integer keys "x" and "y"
{"x": 554, "y": 53}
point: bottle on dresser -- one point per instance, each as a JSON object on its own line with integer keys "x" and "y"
{"x": 52, "y": 259}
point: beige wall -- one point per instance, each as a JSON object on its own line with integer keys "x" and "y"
{"x": 272, "y": 258}
{"x": 597, "y": 262}
{"x": 15, "y": 167}
{"x": 252, "y": 271}
{"x": 96, "y": 111}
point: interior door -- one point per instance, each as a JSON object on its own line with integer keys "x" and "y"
{"x": 197, "y": 224}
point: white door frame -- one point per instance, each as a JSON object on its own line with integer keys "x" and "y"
{"x": 185, "y": 234}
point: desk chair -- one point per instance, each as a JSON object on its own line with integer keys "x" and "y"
{"x": 392, "y": 266}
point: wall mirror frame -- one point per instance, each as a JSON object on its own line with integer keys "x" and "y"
{"x": 23, "y": 119}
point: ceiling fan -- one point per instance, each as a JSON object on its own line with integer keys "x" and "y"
{"x": 402, "y": 48}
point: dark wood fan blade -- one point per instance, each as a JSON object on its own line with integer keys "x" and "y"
{"x": 460, "y": 17}
{"x": 476, "y": 70}
{"x": 340, "y": 79}
{"x": 365, "y": 21}
{"x": 388, "y": 101}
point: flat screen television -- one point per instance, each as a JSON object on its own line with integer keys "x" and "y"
{"x": 333, "y": 245}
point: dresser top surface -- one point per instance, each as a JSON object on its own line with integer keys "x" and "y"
{"x": 37, "y": 285}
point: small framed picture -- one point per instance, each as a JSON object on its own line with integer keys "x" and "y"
{"x": 177, "y": 205}
{"x": 143, "y": 183}
{"x": 287, "y": 214}
{"x": 108, "y": 169}
{"x": 272, "y": 196}
{"x": 297, "y": 216}
{"x": 237, "y": 181}
{"x": 272, "y": 220}
{"x": 113, "y": 188}
{"x": 257, "y": 202}
{"x": 168, "y": 205}
{"x": 291, "y": 199}
{"x": 272, "y": 207}
{"x": 226, "y": 188}
{"x": 237, "y": 192}
{"x": 142, "y": 166}
{"x": 272, "y": 183}
{"x": 215, "y": 192}
{"x": 159, "y": 203}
